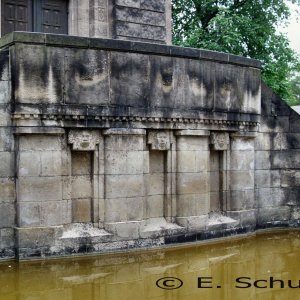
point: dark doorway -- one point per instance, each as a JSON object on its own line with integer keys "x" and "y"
{"x": 49, "y": 16}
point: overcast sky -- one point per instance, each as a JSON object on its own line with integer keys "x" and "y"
{"x": 293, "y": 30}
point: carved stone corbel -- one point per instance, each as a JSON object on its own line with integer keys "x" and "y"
{"x": 159, "y": 140}
{"x": 219, "y": 140}
{"x": 83, "y": 140}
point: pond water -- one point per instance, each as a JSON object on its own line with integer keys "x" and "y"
{"x": 263, "y": 267}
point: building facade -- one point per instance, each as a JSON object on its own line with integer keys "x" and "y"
{"x": 125, "y": 141}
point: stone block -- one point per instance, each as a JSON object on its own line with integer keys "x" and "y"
{"x": 242, "y": 200}
{"x": 214, "y": 181}
{"x": 155, "y": 206}
{"x": 270, "y": 197}
{"x": 124, "y": 209}
{"x": 273, "y": 214}
{"x": 129, "y": 77}
{"x": 35, "y": 238}
{"x": 7, "y": 188}
{"x": 240, "y": 180}
{"x": 6, "y": 139}
{"x": 291, "y": 196}
{"x": 295, "y": 213}
{"x": 87, "y": 77}
{"x": 81, "y": 186}
{"x": 51, "y": 163}
{"x": 274, "y": 124}
{"x": 140, "y": 31}
{"x": 29, "y": 214}
{"x": 215, "y": 201}
{"x": 5, "y": 91}
{"x": 128, "y": 230}
{"x": 242, "y": 144}
{"x": 263, "y": 141}
{"x": 192, "y": 161}
{"x": 192, "y": 183}
{"x": 242, "y": 160}
{"x": 285, "y": 159}
{"x": 124, "y": 142}
{"x": 262, "y": 160}
{"x": 115, "y": 210}
{"x": 39, "y": 189}
{"x": 245, "y": 217}
{"x": 46, "y": 67}
{"x": 140, "y": 16}
{"x": 40, "y": 143}
{"x": 52, "y": 212}
{"x": 4, "y": 62}
{"x": 156, "y": 5}
{"x": 193, "y": 223}
{"x": 267, "y": 178}
{"x": 124, "y": 186}
{"x": 191, "y": 143}
{"x": 135, "y": 208}
{"x": 7, "y": 214}
{"x": 5, "y": 115}
{"x": 29, "y": 164}
{"x": 293, "y": 140}
{"x": 155, "y": 184}
{"x": 81, "y": 210}
{"x": 7, "y": 164}
{"x": 192, "y": 205}
{"x": 81, "y": 163}
{"x": 124, "y": 162}
{"x": 129, "y": 3}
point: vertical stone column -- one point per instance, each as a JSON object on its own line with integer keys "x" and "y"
{"x": 241, "y": 205}
{"x": 193, "y": 187}
{"x": 41, "y": 198}
{"x": 124, "y": 191}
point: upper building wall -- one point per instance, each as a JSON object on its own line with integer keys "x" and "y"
{"x": 141, "y": 20}
{"x": 130, "y": 79}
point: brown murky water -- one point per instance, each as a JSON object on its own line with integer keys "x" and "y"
{"x": 243, "y": 269}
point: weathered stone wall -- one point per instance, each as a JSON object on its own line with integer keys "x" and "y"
{"x": 143, "y": 20}
{"x": 112, "y": 145}
{"x": 7, "y": 161}
{"x": 277, "y": 162}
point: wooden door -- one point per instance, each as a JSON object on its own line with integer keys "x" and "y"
{"x": 51, "y": 16}
{"x": 16, "y": 15}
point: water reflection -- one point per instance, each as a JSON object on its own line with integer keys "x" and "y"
{"x": 134, "y": 276}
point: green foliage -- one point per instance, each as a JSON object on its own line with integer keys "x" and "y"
{"x": 242, "y": 27}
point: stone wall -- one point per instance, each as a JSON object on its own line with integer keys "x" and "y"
{"x": 277, "y": 162}
{"x": 7, "y": 161}
{"x": 112, "y": 145}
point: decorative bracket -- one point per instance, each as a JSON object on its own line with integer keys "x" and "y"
{"x": 83, "y": 140}
{"x": 219, "y": 140}
{"x": 159, "y": 140}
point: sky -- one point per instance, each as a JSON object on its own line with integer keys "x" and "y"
{"x": 293, "y": 30}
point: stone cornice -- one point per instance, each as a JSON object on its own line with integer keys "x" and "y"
{"x": 126, "y": 46}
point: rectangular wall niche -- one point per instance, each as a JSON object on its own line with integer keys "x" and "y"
{"x": 216, "y": 180}
{"x": 81, "y": 194}
{"x": 156, "y": 184}
{"x": 218, "y": 165}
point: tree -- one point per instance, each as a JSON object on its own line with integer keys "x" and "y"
{"x": 242, "y": 27}
{"x": 295, "y": 83}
